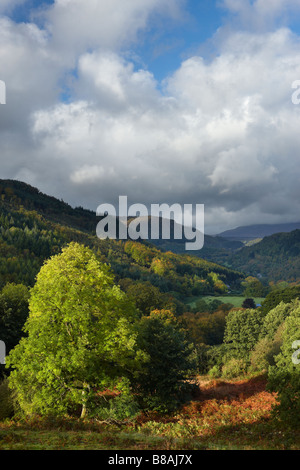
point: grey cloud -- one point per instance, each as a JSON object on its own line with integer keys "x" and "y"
{"x": 223, "y": 133}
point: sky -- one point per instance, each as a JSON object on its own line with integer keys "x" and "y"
{"x": 164, "y": 101}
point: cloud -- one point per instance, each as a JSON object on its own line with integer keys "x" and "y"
{"x": 6, "y": 6}
{"x": 78, "y": 25}
{"x": 261, "y": 14}
{"x": 215, "y": 136}
{"x": 111, "y": 81}
{"x": 222, "y": 132}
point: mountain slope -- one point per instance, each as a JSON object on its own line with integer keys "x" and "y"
{"x": 252, "y": 232}
{"x": 21, "y": 194}
{"x": 213, "y": 248}
{"x": 275, "y": 258}
{"x": 34, "y": 226}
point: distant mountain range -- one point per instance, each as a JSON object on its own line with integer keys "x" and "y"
{"x": 252, "y": 232}
{"x": 272, "y": 254}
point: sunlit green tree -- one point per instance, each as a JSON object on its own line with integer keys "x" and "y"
{"x": 81, "y": 336}
{"x": 284, "y": 376}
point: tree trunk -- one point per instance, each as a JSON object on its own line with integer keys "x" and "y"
{"x": 83, "y": 410}
{"x": 84, "y": 399}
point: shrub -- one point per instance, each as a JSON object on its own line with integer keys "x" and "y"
{"x": 265, "y": 351}
{"x": 123, "y": 407}
{"x": 214, "y": 372}
{"x": 234, "y": 368}
{"x": 216, "y": 355}
{"x": 6, "y": 401}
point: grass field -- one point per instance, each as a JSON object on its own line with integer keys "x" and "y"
{"x": 223, "y": 415}
{"x": 236, "y": 301}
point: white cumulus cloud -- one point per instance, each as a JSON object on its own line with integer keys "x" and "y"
{"x": 222, "y": 132}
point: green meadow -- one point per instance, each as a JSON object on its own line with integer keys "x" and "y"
{"x": 236, "y": 301}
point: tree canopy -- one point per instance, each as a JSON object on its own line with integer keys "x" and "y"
{"x": 171, "y": 360}
{"x": 284, "y": 376}
{"x": 80, "y": 335}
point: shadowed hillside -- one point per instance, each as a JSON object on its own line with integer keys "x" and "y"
{"x": 275, "y": 258}
{"x": 35, "y": 226}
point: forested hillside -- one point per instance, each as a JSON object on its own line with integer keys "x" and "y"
{"x": 275, "y": 258}
{"x": 22, "y": 195}
{"x": 35, "y": 226}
